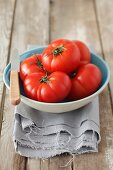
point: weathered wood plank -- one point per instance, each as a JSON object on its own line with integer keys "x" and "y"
{"x": 33, "y": 164}
{"x": 31, "y": 24}
{"x": 6, "y": 20}
{"x": 61, "y": 162}
{"x": 6, "y": 144}
{"x": 19, "y": 162}
{"x": 74, "y": 20}
{"x": 70, "y": 19}
{"x": 45, "y": 164}
{"x": 77, "y": 19}
{"x": 104, "y": 11}
{"x": 30, "y": 27}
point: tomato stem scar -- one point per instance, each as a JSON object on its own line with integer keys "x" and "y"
{"x": 58, "y": 50}
{"x": 44, "y": 79}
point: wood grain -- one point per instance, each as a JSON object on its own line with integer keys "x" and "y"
{"x": 7, "y": 152}
{"x": 6, "y": 21}
{"x": 104, "y": 11}
{"x": 45, "y": 164}
{"x": 33, "y": 164}
{"x": 31, "y": 24}
{"x": 61, "y": 162}
{"x": 30, "y": 27}
{"x": 19, "y": 162}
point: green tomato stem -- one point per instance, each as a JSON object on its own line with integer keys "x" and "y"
{"x": 44, "y": 79}
{"x": 58, "y": 50}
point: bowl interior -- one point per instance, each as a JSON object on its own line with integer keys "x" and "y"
{"x": 94, "y": 59}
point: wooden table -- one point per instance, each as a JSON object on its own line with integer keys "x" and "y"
{"x": 24, "y": 22}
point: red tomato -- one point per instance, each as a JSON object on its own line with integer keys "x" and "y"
{"x": 31, "y": 65}
{"x": 84, "y": 52}
{"x": 52, "y": 88}
{"x": 61, "y": 55}
{"x": 85, "y": 82}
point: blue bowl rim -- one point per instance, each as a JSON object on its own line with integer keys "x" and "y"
{"x": 63, "y": 103}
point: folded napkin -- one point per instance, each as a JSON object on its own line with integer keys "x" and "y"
{"x": 44, "y": 135}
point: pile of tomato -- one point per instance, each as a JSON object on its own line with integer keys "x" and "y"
{"x": 62, "y": 71}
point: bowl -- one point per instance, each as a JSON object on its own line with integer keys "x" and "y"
{"x": 62, "y": 106}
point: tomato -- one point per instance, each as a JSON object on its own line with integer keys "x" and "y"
{"x": 61, "y": 55}
{"x": 84, "y": 52}
{"x": 31, "y": 65}
{"x": 85, "y": 82}
{"x": 52, "y": 88}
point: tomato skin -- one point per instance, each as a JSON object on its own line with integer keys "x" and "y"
{"x": 55, "y": 89}
{"x": 84, "y": 52}
{"x": 61, "y": 55}
{"x": 86, "y": 82}
{"x": 30, "y": 65}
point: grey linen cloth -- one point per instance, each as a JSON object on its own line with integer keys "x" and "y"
{"x": 44, "y": 135}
